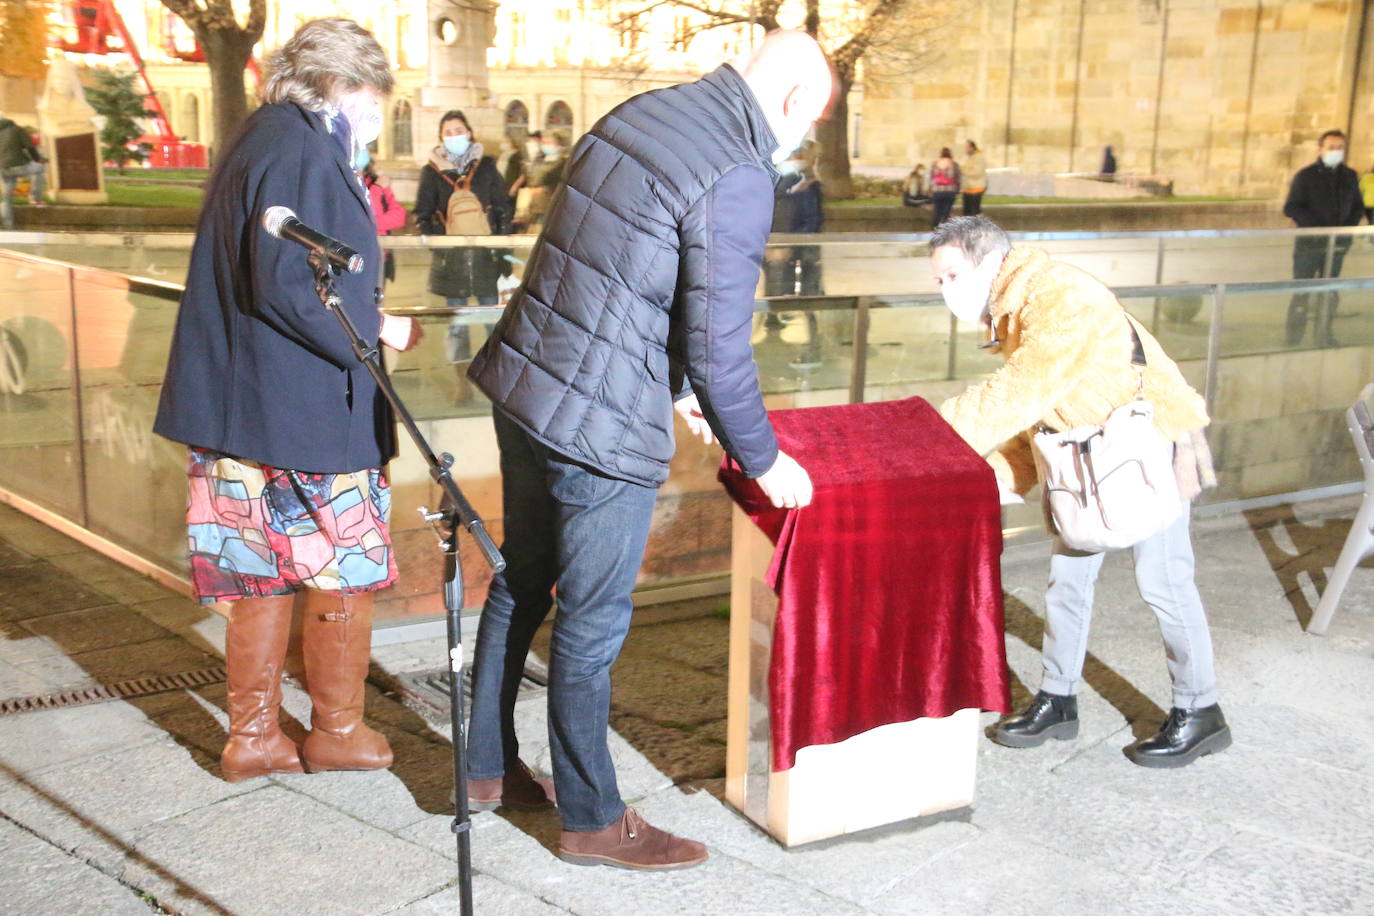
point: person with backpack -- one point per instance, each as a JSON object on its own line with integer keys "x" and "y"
{"x": 945, "y": 179}
{"x": 462, "y": 193}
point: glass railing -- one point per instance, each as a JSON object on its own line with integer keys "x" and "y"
{"x": 840, "y": 319}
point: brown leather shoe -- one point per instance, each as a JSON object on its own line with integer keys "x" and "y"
{"x": 337, "y": 643}
{"x": 254, "y": 649}
{"x": 630, "y": 842}
{"x": 519, "y": 788}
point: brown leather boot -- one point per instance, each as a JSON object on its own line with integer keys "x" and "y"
{"x": 254, "y": 649}
{"x": 630, "y": 842}
{"x": 519, "y": 788}
{"x": 337, "y": 643}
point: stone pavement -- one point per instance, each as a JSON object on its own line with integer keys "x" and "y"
{"x": 117, "y": 807}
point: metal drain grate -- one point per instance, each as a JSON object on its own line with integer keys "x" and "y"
{"x": 429, "y": 689}
{"x": 138, "y": 687}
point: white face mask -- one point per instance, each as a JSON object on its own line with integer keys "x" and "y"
{"x": 1333, "y": 157}
{"x": 967, "y": 295}
{"x": 790, "y": 136}
{"x": 364, "y": 115}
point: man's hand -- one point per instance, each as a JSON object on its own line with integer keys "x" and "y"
{"x": 400, "y": 333}
{"x": 689, "y": 408}
{"x": 786, "y": 483}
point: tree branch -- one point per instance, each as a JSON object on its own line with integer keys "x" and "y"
{"x": 847, "y": 55}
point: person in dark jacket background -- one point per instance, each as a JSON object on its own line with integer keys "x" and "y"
{"x": 1323, "y": 194}
{"x": 639, "y": 291}
{"x": 287, "y": 429}
{"x": 19, "y": 158}
{"x": 460, "y": 273}
{"x": 795, "y": 270}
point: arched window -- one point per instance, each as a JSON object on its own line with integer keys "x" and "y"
{"x": 401, "y": 141}
{"x": 560, "y": 117}
{"x": 190, "y": 118}
{"x": 517, "y": 120}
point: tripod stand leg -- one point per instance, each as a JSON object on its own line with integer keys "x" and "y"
{"x": 462, "y": 821}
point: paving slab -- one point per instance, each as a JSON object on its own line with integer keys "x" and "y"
{"x": 112, "y": 579}
{"x": 1241, "y": 877}
{"x": 33, "y": 742}
{"x": 490, "y": 897}
{"x": 33, "y": 537}
{"x": 723, "y": 884}
{"x": 1272, "y": 793}
{"x": 277, "y": 851}
{"x": 37, "y": 589}
{"x": 40, "y": 878}
{"x": 855, "y": 868}
{"x": 94, "y": 628}
{"x": 94, "y": 808}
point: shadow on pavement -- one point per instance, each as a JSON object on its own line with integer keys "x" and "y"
{"x": 183, "y": 890}
{"x": 1143, "y": 714}
{"x": 1315, "y": 549}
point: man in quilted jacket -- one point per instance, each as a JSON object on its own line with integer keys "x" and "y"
{"x": 637, "y": 299}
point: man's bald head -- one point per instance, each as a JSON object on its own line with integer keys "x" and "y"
{"x": 792, "y": 80}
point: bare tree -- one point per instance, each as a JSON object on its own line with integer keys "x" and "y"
{"x": 227, "y": 45}
{"x": 885, "y": 36}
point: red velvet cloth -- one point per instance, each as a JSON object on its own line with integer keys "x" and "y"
{"x": 889, "y": 583}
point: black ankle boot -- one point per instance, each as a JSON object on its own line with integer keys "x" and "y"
{"x": 1048, "y": 716}
{"x": 1185, "y": 736}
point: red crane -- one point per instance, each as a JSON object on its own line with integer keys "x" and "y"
{"x": 99, "y": 29}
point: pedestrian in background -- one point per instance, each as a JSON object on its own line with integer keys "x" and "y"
{"x": 387, "y": 212}
{"x": 945, "y": 179}
{"x": 1323, "y": 194}
{"x": 460, "y": 166}
{"x": 19, "y": 158}
{"x": 511, "y": 164}
{"x": 795, "y": 270}
{"x": 1108, "y": 170}
{"x": 1367, "y": 192}
{"x": 975, "y": 179}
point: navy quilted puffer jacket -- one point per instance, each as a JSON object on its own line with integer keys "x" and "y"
{"x": 645, "y": 274}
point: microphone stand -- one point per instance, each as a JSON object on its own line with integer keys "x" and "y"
{"x": 454, "y": 511}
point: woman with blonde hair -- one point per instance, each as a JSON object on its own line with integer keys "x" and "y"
{"x": 286, "y": 427}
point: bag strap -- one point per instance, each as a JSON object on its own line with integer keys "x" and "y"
{"x": 1137, "y": 348}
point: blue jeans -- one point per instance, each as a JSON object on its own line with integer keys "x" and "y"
{"x": 569, "y": 526}
{"x": 35, "y": 172}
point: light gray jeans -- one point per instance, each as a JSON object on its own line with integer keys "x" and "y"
{"x": 36, "y": 172}
{"x": 1164, "y": 577}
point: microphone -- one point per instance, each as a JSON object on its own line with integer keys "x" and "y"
{"x": 281, "y": 223}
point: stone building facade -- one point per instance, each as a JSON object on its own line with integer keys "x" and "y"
{"x": 1221, "y": 96}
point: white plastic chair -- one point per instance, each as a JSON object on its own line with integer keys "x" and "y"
{"x": 1359, "y": 544}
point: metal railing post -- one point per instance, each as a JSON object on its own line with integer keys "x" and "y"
{"x": 78, "y": 407}
{"x": 858, "y": 379}
{"x": 1214, "y": 349}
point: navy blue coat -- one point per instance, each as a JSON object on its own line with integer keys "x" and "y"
{"x": 258, "y": 368}
{"x": 645, "y": 273}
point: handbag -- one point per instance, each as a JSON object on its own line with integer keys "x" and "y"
{"x": 1111, "y": 485}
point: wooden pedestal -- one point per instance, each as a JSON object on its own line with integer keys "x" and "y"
{"x": 887, "y": 774}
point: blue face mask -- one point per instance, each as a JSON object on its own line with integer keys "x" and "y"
{"x": 457, "y": 146}
{"x": 360, "y": 159}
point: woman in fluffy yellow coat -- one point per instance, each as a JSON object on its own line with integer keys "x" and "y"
{"x": 1067, "y": 349}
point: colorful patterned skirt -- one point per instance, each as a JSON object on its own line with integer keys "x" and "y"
{"x": 256, "y": 530}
